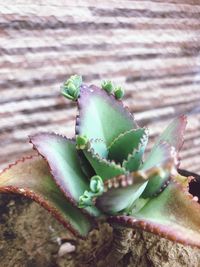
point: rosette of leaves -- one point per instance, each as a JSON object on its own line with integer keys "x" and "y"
{"x": 103, "y": 174}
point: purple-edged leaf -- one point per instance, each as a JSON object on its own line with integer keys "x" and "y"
{"x": 173, "y": 134}
{"x": 160, "y": 156}
{"x": 167, "y": 145}
{"x": 134, "y": 160}
{"x": 103, "y": 167}
{"x": 118, "y": 199}
{"x": 101, "y": 116}
{"x": 126, "y": 143}
{"x": 31, "y": 177}
{"x": 173, "y": 214}
{"x": 62, "y": 157}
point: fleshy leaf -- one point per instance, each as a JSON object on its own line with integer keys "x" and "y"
{"x": 62, "y": 157}
{"x": 98, "y": 147}
{"x": 173, "y": 134}
{"x": 101, "y": 116}
{"x": 134, "y": 160}
{"x": 159, "y": 168}
{"x": 85, "y": 165}
{"x": 125, "y": 144}
{"x": 118, "y": 199}
{"x": 31, "y": 177}
{"x": 173, "y": 214}
{"x": 104, "y": 168}
{"x": 156, "y": 183}
{"x": 160, "y": 156}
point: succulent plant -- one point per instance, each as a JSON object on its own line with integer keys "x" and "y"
{"x": 102, "y": 174}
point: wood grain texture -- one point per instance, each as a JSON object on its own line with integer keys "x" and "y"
{"x": 152, "y": 48}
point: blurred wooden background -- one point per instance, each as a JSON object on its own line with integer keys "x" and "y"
{"x": 152, "y": 48}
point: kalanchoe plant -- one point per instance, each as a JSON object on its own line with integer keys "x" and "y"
{"x": 102, "y": 174}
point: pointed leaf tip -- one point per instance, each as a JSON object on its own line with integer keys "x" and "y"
{"x": 174, "y": 133}
{"x": 124, "y": 144}
{"x": 62, "y": 157}
{"x": 103, "y": 167}
{"x": 168, "y": 144}
{"x": 111, "y": 118}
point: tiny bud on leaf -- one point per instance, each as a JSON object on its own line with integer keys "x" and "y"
{"x": 71, "y": 87}
{"x": 86, "y": 199}
{"x": 119, "y": 92}
{"x": 96, "y": 185}
{"x": 81, "y": 141}
{"x": 107, "y": 86}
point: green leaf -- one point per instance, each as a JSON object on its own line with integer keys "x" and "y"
{"x": 173, "y": 134}
{"x": 63, "y": 160}
{"x": 126, "y": 143}
{"x": 133, "y": 161}
{"x": 160, "y": 156}
{"x": 98, "y": 147}
{"x": 101, "y": 116}
{"x": 118, "y": 199}
{"x": 173, "y": 214}
{"x": 156, "y": 183}
{"x": 85, "y": 165}
{"x": 167, "y": 145}
{"x": 102, "y": 167}
{"x": 158, "y": 168}
{"x": 31, "y": 177}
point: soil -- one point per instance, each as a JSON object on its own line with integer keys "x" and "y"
{"x": 30, "y": 237}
